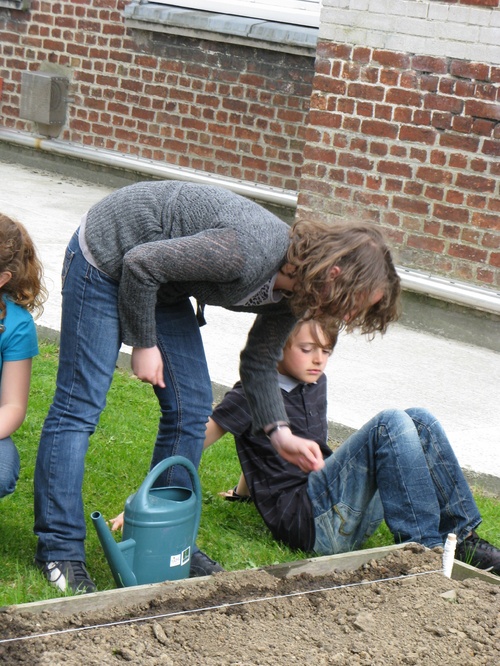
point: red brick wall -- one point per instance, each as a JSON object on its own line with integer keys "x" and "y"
{"x": 230, "y": 110}
{"x": 477, "y": 3}
{"x": 413, "y": 144}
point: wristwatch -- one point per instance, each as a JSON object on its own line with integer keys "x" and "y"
{"x": 276, "y": 426}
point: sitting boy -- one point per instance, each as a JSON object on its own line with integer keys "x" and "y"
{"x": 399, "y": 467}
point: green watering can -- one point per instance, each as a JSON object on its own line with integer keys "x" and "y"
{"x": 159, "y": 530}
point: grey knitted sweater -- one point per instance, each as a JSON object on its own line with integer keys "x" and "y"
{"x": 163, "y": 241}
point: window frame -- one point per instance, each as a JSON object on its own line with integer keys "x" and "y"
{"x": 294, "y": 12}
{"x": 22, "y": 5}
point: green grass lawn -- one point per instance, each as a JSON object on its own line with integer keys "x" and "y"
{"x": 117, "y": 462}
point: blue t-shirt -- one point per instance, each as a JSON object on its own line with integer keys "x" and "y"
{"x": 19, "y": 340}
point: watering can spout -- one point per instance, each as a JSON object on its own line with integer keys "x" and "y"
{"x": 114, "y": 552}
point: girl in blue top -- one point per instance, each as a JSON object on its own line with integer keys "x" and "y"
{"x": 21, "y": 293}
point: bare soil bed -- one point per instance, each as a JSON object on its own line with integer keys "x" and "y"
{"x": 256, "y": 619}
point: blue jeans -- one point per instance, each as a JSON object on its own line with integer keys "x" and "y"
{"x": 89, "y": 346}
{"x": 399, "y": 467}
{"x": 9, "y": 466}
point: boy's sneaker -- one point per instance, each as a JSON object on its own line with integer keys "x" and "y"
{"x": 479, "y": 553}
{"x": 202, "y": 565}
{"x": 68, "y": 576}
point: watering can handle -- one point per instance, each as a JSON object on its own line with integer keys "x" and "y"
{"x": 163, "y": 465}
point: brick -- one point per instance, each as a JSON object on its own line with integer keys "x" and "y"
{"x": 485, "y": 276}
{"x": 351, "y": 71}
{"x": 435, "y": 193}
{"x": 476, "y": 183}
{"x": 364, "y": 109}
{"x": 435, "y": 176}
{"x": 414, "y": 206}
{"x": 359, "y": 145}
{"x": 373, "y": 183}
{"x": 461, "y": 124}
{"x": 444, "y": 103}
{"x": 379, "y": 128}
{"x": 377, "y": 148}
{"x": 491, "y": 240}
{"x": 467, "y": 252}
{"x": 451, "y": 231}
{"x": 417, "y": 135}
{"x": 413, "y": 189}
{"x": 429, "y": 64}
{"x": 320, "y": 155}
{"x": 486, "y": 221}
{"x": 450, "y": 213}
{"x": 355, "y": 161}
{"x": 459, "y": 142}
{"x": 323, "y": 119}
{"x": 395, "y": 169}
{"x": 393, "y": 185}
{"x": 371, "y": 199}
{"x": 389, "y": 77}
{"x": 482, "y": 110}
{"x": 346, "y": 106}
{"x": 361, "y": 54}
{"x": 403, "y": 115}
{"x": 495, "y": 259}
{"x": 355, "y": 179}
{"x": 329, "y": 85}
{"x": 464, "y": 89}
{"x": 398, "y": 150}
{"x": 442, "y": 121}
{"x": 391, "y": 59}
{"x": 351, "y": 124}
{"x": 362, "y": 91}
{"x": 485, "y": 91}
{"x": 483, "y": 127}
{"x": 476, "y": 201}
{"x": 424, "y": 243}
{"x": 454, "y": 197}
{"x": 478, "y": 3}
{"x": 423, "y": 118}
{"x": 458, "y": 161}
{"x": 404, "y": 97}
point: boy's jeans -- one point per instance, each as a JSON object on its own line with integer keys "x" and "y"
{"x": 90, "y": 342}
{"x": 9, "y": 466}
{"x": 399, "y": 467}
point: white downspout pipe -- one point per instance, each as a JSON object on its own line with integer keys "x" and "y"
{"x": 411, "y": 280}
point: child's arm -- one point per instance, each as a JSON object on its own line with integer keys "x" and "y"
{"x": 213, "y": 433}
{"x": 14, "y": 394}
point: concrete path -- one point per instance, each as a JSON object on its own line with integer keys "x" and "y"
{"x": 459, "y": 383}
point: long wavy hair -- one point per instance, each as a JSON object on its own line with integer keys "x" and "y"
{"x": 359, "y": 250}
{"x": 18, "y": 256}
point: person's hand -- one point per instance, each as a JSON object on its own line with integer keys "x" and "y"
{"x": 304, "y": 453}
{"x": 147, "y": 365}
{"x": 116, "y": 523}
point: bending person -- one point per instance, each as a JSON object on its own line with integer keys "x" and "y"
{"x": 128, "y": 275}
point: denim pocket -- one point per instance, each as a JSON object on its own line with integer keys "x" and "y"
{"x": 344, "y": 528}
{"x": 68, "y": 258}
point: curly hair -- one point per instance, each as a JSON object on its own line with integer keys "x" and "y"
{"x": 342, "y": 301}
{"x": 19, "y": 258}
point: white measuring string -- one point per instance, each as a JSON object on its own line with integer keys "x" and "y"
{"x": 150, "y": 618}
